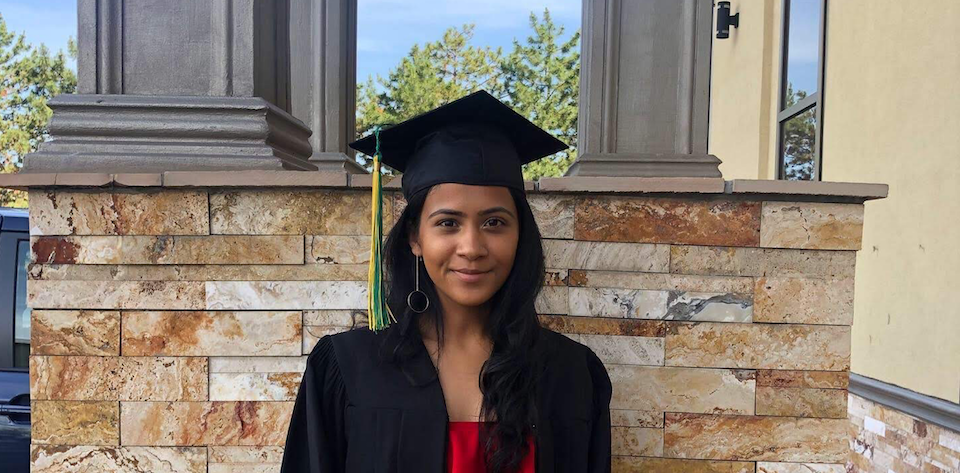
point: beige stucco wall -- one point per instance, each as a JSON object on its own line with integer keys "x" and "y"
{"x": 891, "y": 102}
{"x": 743, "y": 92}
{"x": 891, "y": 115}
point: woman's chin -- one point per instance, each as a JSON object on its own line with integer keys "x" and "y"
{"x": 471, "y": 298}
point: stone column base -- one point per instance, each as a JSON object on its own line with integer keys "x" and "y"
{"x": 331, "y": 162}
{"x": 645, "y": 165}
{"x": 130, "y": 133}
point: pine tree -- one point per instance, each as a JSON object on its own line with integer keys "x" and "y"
{"x": 542, "y": 82}
{"x": 799, "y": 139}
{"x": 540, "y": 79}
{"x": 429, "y": 76}
{"x": 29, "y": 77}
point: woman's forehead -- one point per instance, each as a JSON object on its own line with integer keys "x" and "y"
{"x": 464, "y": 197}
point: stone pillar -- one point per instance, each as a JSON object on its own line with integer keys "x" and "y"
{"x": 644, "y": 86}
{"x": 324, "y": 78}
{"x": 178, "y": 85}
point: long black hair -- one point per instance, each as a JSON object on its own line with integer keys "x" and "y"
{"x": 508, "y": 379}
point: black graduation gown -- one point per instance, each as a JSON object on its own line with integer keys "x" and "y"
{"x": 355, "y": 414}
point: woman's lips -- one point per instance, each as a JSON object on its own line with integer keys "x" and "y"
{"x": 470, "y": 277}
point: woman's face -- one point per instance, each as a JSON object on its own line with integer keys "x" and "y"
{"x": 468, "y": 239}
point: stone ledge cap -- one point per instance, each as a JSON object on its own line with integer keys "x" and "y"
{"x": 670, "y": 185}
{"x": 801, "y": 190}
{"x": 864, "y": 191}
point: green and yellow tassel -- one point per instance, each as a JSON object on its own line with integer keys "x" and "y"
{"x": 378, "y": 312}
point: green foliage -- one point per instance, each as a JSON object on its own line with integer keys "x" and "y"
{"x": 542, "y": 82}
{"x": 799, "y": 139}
{"x": 29, "y": 77}
{"x": 429, "y": 76}
{"x": 539, "y": 78}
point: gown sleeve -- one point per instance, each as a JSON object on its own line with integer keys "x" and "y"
{"x": 599, "y": 458}
{"x": 316, "y": 440}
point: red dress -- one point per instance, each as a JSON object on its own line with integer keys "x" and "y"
{"x": 465, "y": 455}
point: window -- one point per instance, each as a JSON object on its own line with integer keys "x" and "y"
{"x": 14, "y": 313}
{"x": 21, "y": 315}
{"x": 800, "y": 104}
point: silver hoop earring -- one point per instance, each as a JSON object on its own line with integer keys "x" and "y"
{"x": 426, "y": 303}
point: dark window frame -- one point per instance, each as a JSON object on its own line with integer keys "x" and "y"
{"x": 9, "y": 242}
{"x": 813, "y": 100}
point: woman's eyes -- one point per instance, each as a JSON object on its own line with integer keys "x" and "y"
{"x": 452, "y": 222}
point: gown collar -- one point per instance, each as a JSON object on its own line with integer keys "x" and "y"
{"x": 420, "y": 371}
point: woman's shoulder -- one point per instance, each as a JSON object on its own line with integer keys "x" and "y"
{"x": 357, "y": 354}
{"x": 336, "y": 349}
{"x": 562, "y": 344}
{"x": 572, "y": 363}
{"x": 351, "y": 338}
{"x": 565, "y": 352}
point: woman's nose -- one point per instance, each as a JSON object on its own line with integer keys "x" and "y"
{"x": 471, "y": 244}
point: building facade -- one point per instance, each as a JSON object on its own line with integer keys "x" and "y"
{"x": 856, "y": 90}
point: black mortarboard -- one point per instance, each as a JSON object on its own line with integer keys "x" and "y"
{"x": 475, "y": 140}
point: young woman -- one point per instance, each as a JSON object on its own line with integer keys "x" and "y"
{"x": 466, "y": 380}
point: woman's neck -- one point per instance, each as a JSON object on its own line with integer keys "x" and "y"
{"x": 461, "y": 325}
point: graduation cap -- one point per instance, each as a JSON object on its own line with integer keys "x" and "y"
{"x": 474, "y": 140}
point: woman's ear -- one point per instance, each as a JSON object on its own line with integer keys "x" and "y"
{"x": 415, "y": 245}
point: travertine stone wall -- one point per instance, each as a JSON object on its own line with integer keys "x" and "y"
{"x": 886, "y": 440}
{"x": 170, "y": 325}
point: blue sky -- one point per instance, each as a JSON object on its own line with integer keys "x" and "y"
{"x": 386, "y": 29}
{"x": 50, "y": 22}
{"x": 804, "y": 45}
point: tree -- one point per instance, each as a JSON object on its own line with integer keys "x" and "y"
{"x": 799, "y": 139}
{"x": 29, "y": 77}
{"x": 429, "y": 76}
{"x": 542, "y": 82}
{"x": 539, "y": 79}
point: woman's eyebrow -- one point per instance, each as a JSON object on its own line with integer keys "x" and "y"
{"x": 458, "y": 213}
